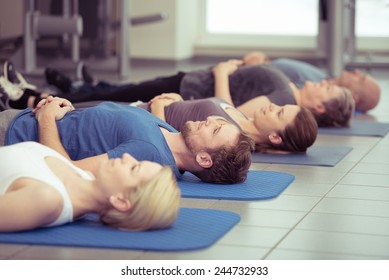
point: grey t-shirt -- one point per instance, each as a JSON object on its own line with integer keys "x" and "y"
{"x": 246, "y": 83}
{"x": 298, "y": 71}
{"x": 178, "y": 113}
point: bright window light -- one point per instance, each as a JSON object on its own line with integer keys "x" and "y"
{"x": 275, "y": 17}
{"x": 372, "y": 18}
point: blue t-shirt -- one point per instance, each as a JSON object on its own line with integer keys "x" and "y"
{"x": 298, "y": 71}
{"x": 106, "y": 128}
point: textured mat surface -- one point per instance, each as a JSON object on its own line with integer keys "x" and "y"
{"x": 316, "y": 155}
{"x": 359, "y": 128}
{"x": 194, "y": 229}
{"x": 259, "y": 185}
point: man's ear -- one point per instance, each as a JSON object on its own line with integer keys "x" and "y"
{"x": 356, "y": 97}
{"x": 204, "y": 159}
{"x": 275, "y": 139}
{"x": 319, "y": 109}
{"x": 120, "y": 203}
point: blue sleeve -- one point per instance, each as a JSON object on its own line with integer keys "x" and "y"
{"x": 140, "y": 150}
{"x": 24, "y": 127}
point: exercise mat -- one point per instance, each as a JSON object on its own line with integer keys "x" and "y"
{"x": 359, "y": 128}
{"x": 315, "y": 155}
{"x": 260, "y": 184}
{"x": 193, "y": 229}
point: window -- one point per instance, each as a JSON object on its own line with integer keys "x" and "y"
{"x": 262, "y": 17}
{"x": 371, "y": 25}
{"x": 256, "y": 24}
{"x": 372, "y": 18}
{"x": 260, "y": 23}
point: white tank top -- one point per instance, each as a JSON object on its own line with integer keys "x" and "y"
{"x": 27, "y": 160}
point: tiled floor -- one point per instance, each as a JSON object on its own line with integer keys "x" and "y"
{"x": 339, "y": 212}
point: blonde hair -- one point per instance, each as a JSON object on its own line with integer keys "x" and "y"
{"x": 154, "y": 205}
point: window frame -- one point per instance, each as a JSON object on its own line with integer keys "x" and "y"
{"x": 304, "y": 46}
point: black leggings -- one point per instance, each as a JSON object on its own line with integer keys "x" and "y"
{"x": 143, "y": 91}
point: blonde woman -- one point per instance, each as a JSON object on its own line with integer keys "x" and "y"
{"x": 41, "y": 188}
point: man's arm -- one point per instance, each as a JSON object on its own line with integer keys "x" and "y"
{"x": 47, "y": 113}
{"x": 221, "y": 73}
{"x": 158, "y": 103}
{"x": 254, "y": 58}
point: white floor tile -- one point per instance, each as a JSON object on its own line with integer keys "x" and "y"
{"x": 216, "y": 252}
{"x": 197, "y": 203}
{"x": 283, "y": 254}
{"x": 263, "y": 217}
{"x": 74, "y": 253}
{"x": 337, "y": 243}
{"x": 311, "y": 174}
{"x": 308, "y": 189}
{"x": 366, "y": 179}
{"x": 353, "y": 207}
{"x": 371, "y": 168}
{"x": 9, "y": 250}
{"x": 287, "y": 203}
{"x": 345, "y": 223}
{"x": 249, "y": 236}
{"x": 360, "y": 192}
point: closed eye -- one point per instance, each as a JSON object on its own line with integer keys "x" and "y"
{"x": 135, "y": 167}
{"x": 280, "y": 113}
{"x": 216, "y": 130}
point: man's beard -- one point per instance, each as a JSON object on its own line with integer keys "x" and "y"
{"x": 186, "y": 132}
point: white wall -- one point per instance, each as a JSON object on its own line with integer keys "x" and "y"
{"x": 172, "y": 38}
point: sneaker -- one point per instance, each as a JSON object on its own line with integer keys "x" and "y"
{"x": 3, "y": 101}
{"x": 15, "y": 77}
{"x": 57, "y": 79}
{"x": 83, "y": 73}
{"x": 14, "y": 92}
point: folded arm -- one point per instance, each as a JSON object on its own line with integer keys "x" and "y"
{"x": 47, "y": 112}
{"x": 158, "y": 103}
{"x": 254, "y": 58}
{"x": 221, "y": 73}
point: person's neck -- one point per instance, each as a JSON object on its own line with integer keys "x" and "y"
{"x": 183, "y": 157}
{"x": 247, "y": 125}
{"x": 86, "y": 196}
{"x": 297, "y": 94}
{"x": 335, "y": 81}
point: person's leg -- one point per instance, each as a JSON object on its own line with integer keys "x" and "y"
{"x": 143, "y": 91}
{"x": 29, "y": 99}
{"x": 5, "y": 119}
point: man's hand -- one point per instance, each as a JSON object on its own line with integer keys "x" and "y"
{"x": 173, "y": 97}
{"x": 254, "y": 58}
{"x": 52, "y": 107}
{"x": 227, "y": 67}
{"x": 158, "y": 103}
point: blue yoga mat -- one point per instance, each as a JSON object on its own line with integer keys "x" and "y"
{"x": 194, "y": 229}
{"x": 315, "y": 155}
{"x": 259, "y": 185}
{"x": 359, "y": 128}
